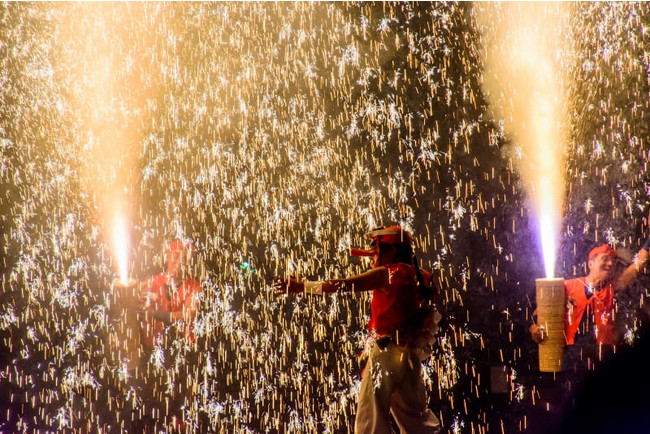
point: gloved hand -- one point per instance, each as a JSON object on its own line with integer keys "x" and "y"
{"x": 537, "y": 333}
{"x": 284, "y": 286}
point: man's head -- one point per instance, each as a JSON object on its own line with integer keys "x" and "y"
{"x": 602, "y": 262}
{"x": 179, "y": 258}
{"x": 391, "y": 244}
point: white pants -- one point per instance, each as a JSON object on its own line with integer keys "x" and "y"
{"x": 392, "y": 383}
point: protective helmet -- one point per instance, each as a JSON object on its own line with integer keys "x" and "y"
{"x": 390, "y": 235}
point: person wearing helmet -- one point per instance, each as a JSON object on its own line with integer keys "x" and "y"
{"x": 590, "y": 304}
{"x": 589, "y": 328}
{"x": 392, "y": 381}
{"x": 169, "y": 305}
{"x": 171, "y": 296}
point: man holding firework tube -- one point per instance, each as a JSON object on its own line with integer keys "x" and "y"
{"x": 169, "y": 305}
{"x": 171, "y": 296}
{"x": 403, "y": 328}
{"x": 589, "y": 327}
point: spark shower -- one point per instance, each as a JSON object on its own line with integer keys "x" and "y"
{"x": 275, "y": 135}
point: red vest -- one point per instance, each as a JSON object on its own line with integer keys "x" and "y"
{"x": 183, "y": 297}
{"x": 393, "y": 307}
{"x": 600, "y": 305}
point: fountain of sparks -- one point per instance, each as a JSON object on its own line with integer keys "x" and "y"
{"x": 527, "y": 86}
{"x": 121, "y": 248}
{"x": 123, "y": 337}
{"x": 272, "y": 135}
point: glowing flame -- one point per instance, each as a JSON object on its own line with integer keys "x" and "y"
{"x": 548, "y": 230}
{"x": 121, "y": 247}
{"x": 547, "y": 180}
{"x": 524, "y": 79}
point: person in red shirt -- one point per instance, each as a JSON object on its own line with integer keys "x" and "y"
{"x": 590, "y": 316}
{"x": 392, "y": 381}
{"x": 589, "y": 326}
{"x": 171, "y": 297}
{"x": 589, "y": 331}
{"x": 170, "y": 302}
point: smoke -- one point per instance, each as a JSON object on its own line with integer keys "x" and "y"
{"x": 524, "y": 81}
{"x": 106, "y": 98}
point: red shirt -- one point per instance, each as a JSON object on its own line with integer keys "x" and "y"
{"x": 599, "y": 306}
{"x": 392, "y": 308}
{"x": 184, "y": 297}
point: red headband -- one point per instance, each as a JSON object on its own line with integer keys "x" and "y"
{"x": 604, "y": 249}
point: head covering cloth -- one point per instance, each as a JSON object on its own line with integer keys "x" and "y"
{"x": 602, "y": 249}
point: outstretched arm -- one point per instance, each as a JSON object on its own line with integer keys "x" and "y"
{"x": 377, "y": 278}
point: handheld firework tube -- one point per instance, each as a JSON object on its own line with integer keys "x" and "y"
{"x": 124, "y": 339}
{"x": 551, "y": 314}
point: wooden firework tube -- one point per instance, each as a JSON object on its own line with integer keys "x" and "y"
{"x": 551, "y": 314}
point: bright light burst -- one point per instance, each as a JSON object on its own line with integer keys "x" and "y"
{"x": 548, "y": 228}
{"x": 121, "y": 247}
{"x": 526, "y": 64}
